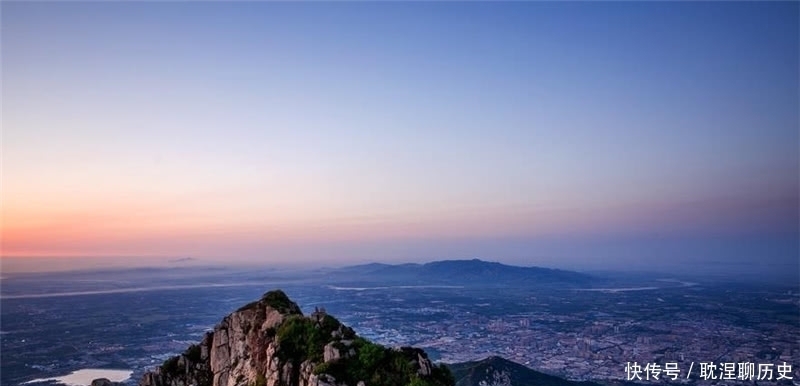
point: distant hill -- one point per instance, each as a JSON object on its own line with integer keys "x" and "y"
{"x": 497, "y": 371}
{"x": 459, "y": 272}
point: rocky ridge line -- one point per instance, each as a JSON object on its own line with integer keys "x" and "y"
{"x": 270, "y": 342}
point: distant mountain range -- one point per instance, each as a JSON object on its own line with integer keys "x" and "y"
{"x": 497, "y": 371}
{"x": 459, "y": 272}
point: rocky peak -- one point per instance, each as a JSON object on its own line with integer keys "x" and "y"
{"x": 269, "y": 342}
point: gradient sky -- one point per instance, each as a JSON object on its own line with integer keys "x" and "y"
{"x": 576, "y": 135}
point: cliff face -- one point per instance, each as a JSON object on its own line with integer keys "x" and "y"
{"x": 271, "y": 343}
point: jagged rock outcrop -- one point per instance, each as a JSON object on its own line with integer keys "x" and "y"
{"x": 270, "y": 342}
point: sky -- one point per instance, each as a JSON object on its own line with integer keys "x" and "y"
{"x": 572, "y": 134}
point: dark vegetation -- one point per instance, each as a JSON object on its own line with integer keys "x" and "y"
{"x": 261, "y": 380}
{"x": 193, "y": 353}
{"x": 304, "y": 338}
{"x": 380, "y": 366}
{"x": 173, "y": 369}
{"x": 301, "y": 337}
{"x": 276, "y": 299}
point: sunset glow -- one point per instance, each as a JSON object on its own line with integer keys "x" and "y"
{"x": 276, "y": 132}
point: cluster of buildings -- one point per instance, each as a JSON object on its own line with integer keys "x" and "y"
{"x": 591, "y": 345}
